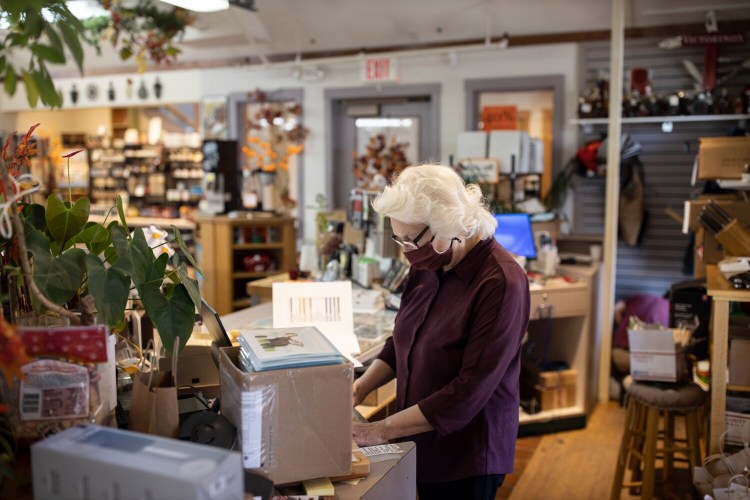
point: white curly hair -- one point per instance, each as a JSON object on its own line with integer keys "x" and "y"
{"x": 437, "y": 196}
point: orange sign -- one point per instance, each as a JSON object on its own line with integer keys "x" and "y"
{"x": 500, "y": 118}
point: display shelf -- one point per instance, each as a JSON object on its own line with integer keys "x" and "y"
{"x": 224, "y": 244}
{"x": 661, "y": 119}
{"x": 258, "y": 246}
{"x": 722, "y": 293}
{"x": 738, "y": 388}
{"x": 546, "y": 416}
{"x": 252, "y": 274}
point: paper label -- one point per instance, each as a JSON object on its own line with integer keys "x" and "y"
{"x": 382, "y": 449}
{"x": 252, "y": 425}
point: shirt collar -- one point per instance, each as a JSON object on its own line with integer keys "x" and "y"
{"x": 472, "y": 261}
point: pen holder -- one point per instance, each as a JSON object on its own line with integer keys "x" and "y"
{"x": 735, "y": 238}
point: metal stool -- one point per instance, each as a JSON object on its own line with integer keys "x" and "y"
{"x": 646, "y": 404}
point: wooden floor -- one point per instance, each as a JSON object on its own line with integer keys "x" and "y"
{"x": 576, "y": 464}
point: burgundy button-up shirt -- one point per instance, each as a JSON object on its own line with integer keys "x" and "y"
{"x": 456, "y": 353}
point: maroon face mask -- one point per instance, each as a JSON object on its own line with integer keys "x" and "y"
{"x": 427, "y": 258}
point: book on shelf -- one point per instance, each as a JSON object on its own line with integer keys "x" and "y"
{"x": 279, "y": 348}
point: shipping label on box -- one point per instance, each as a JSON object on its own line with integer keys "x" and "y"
{"x": 657, "y": 355}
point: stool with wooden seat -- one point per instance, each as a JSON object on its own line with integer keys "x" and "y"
{"x": 646, "y": 404}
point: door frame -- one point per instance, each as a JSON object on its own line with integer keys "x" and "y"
{"x": 554, "y": 83}
{"x": 334, "y": 100}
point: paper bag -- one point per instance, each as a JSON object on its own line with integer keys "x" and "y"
{"x": 153, "y": 406}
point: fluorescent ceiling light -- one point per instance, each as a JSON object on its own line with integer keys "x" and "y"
{"x": 200, "y": 5}
{"x": 382, "y": 122}
{"x": 86, "y": 9}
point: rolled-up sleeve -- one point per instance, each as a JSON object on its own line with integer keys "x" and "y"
{"x": 501, "y": 313}
{"x": 388, "y": 354}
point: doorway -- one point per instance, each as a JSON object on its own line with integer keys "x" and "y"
{"x": 405, "y": 117}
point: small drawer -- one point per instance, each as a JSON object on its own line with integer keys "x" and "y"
{"x": 564, "y": 303}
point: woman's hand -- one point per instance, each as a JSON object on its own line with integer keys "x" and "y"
{"x": 369, "y": 434}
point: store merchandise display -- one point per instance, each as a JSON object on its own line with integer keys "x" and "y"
{"x": 276, "y": 348}
{"x": 158, "y": 180}
{"x": 643, "y": 100}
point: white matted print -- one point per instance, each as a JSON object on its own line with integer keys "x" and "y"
{"x": 484, "y": 170}
{"x": 325, "y": 305}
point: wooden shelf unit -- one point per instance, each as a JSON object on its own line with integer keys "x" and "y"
{"x": 722, "y": 294}
{"x": 224, "y": 244}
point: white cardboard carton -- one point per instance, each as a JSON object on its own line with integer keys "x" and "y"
{"x": 658, "y": 354}
{"x": 89, "y": 461}
{"x": 507, "y": 143}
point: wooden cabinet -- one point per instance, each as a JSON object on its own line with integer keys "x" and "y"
{"x": 722, "y": 294}
{"x": 235, "y": 251}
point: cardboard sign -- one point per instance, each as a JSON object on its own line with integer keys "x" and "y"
{"x": 500, "y": 118}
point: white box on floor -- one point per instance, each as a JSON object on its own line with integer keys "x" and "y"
{"x": 89, "y": 461}
{"x": 658, "y": 354}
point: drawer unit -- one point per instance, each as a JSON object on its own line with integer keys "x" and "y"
{"x": 565, "y": 302}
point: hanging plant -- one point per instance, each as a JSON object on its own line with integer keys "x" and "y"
{"x": 36, "y": 34}
{"x": 143, "y": 31}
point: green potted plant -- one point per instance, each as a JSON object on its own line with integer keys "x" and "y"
{"x": 84, "y": 270}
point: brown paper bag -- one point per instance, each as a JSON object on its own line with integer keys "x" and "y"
{"x": 153, "y": 406}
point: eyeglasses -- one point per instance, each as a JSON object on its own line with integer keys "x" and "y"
{"x": 407, "y": 244}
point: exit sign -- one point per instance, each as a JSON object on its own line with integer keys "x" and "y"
{"x": 379, "y": 69}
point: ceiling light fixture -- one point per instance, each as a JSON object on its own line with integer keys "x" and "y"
{"x": 200, "y": 5}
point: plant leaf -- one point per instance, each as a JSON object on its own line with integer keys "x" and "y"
{"x": 47, "y": 91}
{"x": 133, "y": 256}
{"x": 65, "y": 221}
{"x": 10, "y": 80}
{"x": 185, "y": 251}
{"x": 95, "y": 237}
{"x": 48, "y": 53}
{"x": 35, "y": 215}
{"x": 121, "y": 213}
{"x": 58, "y": 278}
{"x": 70, "y": 35}
{"x": 190, "y": 284}
{"x": 32, "y": 93}
{"x": 54, "y": 39}
{"x": 173, "y": 314}
{"x": 155, "y": 270}
{"x": 110, "y": 289}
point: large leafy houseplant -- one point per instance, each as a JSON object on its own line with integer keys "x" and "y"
{"x": 87, "y": 271}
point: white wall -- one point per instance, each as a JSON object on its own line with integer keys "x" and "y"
{"x": 54, "y": 123}
{"x": 414, "y": 68}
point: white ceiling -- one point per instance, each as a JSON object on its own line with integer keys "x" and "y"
{"x": 291, "y": 26}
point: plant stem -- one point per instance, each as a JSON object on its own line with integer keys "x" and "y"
{"x": 24, "y": 255}
{"x": 70, "y": 190}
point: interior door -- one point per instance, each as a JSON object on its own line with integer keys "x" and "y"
{"x": 402, "y": 120}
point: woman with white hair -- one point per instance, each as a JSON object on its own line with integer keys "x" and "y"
{"x": 455, "y": 350}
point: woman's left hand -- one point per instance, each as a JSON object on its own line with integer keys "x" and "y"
{"x": 369, "y": 434}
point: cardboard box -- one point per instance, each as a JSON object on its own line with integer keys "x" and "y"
{"x": 723, "y": 157}
{"x": 381, "y": 394}
{"x": 507, "y": 143}
{"x": 739, "y": 367}
{"x": 557, "y": 389}
{"x": 89, "y": 461}
{"x": 658, "y": 355}
{"x": 293, "y": 424}
{"x": 556, "y": 398}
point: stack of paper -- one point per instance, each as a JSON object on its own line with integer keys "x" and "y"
{"x": 367, "y": 301}
{"x": 277, "y": 348}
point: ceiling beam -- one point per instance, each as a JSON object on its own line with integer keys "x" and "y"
{"x": 742, "y": 25}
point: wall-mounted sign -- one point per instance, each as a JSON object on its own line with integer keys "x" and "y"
{"x": 500, "y": 118}
{"x": 379, "y": 69}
